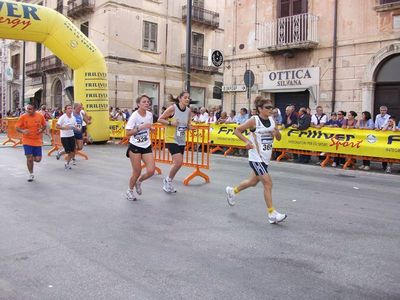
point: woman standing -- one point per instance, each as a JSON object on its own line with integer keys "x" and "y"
{"x": 177, "y": 119}
{"x": 366, "y": 123}
{"x": 138, "y": 128}
{"x": 262, "y": 133}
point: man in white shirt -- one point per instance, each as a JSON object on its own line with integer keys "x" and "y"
{"x": 382, "y": 118}
{"x": 319, "y": 119}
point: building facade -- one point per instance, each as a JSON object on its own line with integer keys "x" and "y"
{"x": 342, "y": 55}
{"x": 143, "y": 42}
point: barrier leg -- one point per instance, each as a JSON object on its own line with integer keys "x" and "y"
{"x": 349, "y": 164}
{"x": 215, "y": 149}
{"x": 230, "y": 149}
{"x": 196, "y": 173}
{"x": 8, "y": 141}
{"x": 17, "y": 143}
{"x": 326, "y": 161}
{"x": 281, "y": 156}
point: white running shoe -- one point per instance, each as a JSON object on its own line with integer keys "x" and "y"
{"x": 58, "y": 155}
{"x": 67, "y": 166}
{"x": 130, "y": 195}
{"x": 229, "y": 195}
{"x": 168, "y": 186}
{"x": 30, "y": 177}
{"x": 275, "y": 217}
{"x": 367, "y": 168}
{"x": 334, "y": 164}
{"x": 138, "y": 187}
{"x": 388, "y": 170}
{"x": 362, "y": 167}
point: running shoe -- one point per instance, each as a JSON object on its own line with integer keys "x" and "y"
{"x": 275, "y": 217}
{"x": 167, "y": 186}
{"x": 388, "y": 170}
{"x": 229, "y": 195}
{"x": 74, "y": 161}
{"x": 138, "y": 187}
{"x": 362, "y": 167}
{"x": 130, "y": 195}
{"x": 367, "y": 168}
{"x": 67, "y": 166}
{"x": 30, "y": 177}
{"x": 171, "y": 187}
{"x": 58, "y": 155}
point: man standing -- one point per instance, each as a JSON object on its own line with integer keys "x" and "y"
{"x": 382, "y": 118}
{"x": 303, "y": 122}
{"x": 31, "y": 124}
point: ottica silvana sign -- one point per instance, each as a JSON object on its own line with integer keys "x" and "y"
{"x": 293, "y": 78}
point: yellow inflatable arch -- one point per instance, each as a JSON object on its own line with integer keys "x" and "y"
{"x": 28, "y": 22}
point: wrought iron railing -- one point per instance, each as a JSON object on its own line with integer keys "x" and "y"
{"x": 202, "y": 15}
{"x": 51, "y": 63}
{"x": 198, "y": 63}
{"x": 298, "y": 31}
{"x": 78, "y": 8}
{"x": 33, "y": 68}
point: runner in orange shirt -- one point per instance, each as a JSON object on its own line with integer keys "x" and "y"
{"x": 32, "y": 125}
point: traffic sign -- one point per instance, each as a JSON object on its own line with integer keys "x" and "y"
{"x": 248, "y": 78}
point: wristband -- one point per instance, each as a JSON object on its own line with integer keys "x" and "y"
{"x": 169, "y": 123}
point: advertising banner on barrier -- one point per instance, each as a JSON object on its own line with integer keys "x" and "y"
{"x": 385, "y": 144}
{"x": 117, "y": 129}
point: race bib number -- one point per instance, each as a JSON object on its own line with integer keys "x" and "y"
{"x": 180, "y": 130}
{"x": 141, "y": 137}
{"x": 266, "y": 142}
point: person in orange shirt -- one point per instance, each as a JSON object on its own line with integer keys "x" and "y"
{"x": 32, "y": 125}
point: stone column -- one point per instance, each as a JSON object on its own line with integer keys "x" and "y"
{"x": 367, "y": 95}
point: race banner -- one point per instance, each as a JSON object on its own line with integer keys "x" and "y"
{"x": 117, "y": 129}
{"x": 385, "y": 144}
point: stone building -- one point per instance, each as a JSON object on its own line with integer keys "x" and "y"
{"x": 143, "y": 42}
{"x": 343, "y": 55}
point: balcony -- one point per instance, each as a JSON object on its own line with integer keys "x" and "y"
{"x": 202, "y": 16}
{"x": 294, "y": 32}
{"x": 33, "y": 69}
{"x": 80, "y": 8}
{"x": 198, "y": 63}
{"x": 52, "y": 64}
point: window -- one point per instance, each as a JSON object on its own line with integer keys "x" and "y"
{"x": 149, "y": 36}
{"x": 217, "y": 90}
{"x": 85, "y": 28}
{"x": 197, "y": 94}
{"x": 197, "y": 44}
{"x": 198, "y": 3}
{"x": 388, "y": 1}
{"x": 38, "y": 52}
{"x": 151, "y": 89}
{"x": 291, "y": 7}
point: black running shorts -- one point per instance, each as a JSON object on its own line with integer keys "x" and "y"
{"x": 175, "y": 148}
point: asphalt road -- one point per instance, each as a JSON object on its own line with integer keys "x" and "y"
{"x": 73, "y": 235}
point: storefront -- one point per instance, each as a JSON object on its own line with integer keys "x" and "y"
{"x": 298, "y": 87}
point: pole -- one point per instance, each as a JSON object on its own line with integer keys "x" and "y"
{"x": 3, "y": 79}
{"x": 188, "y": 43}
{"x": 22, "y": 98}
{"x": 248, "y": 88}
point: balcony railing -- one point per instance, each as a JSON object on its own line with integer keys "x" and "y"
{"x": 33, "y": 69}
{"x": 79, "y": 8}
{"x": 51, "y": 64}
{"x": 198, "y": 63}
{"x": 202, "y": 16}
{"x": 294, "y": 32}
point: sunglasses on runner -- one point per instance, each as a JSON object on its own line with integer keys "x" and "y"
{"x": 268, "y": 107}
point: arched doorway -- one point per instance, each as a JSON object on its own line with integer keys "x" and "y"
{"x": 57, "y": 92}
{"x": 387, "y": 89}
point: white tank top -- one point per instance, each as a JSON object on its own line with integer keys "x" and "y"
{"x": 262, "y": 139}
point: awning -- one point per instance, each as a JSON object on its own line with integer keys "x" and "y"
{"x": 31, "y": 93}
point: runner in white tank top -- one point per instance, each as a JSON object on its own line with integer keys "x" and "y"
{"x": 262, "y": 132}
{"x": 138, "y": 129}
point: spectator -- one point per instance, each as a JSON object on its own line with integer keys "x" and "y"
{"x": 232, "y": 117}
{"x": 242, "y": 117}
{"x": 253, "y": 112}
{"x": 389, "y": 126}
{"x": 333, "y": 122}
{"x": 203, "y": 117}
{"x": 57, "y": 113}
{"x": 319, "y": 119}
{"x": 223, "y": 118}
{"x": 45, "y": 113}
{"x": 340, "y": 118}
{"x": 351, "y": 120}
{"x": 303, "y": 123}
{"x": 365, "y": 123}
{"x": 212, "y": 119}
{"x": 111, "y": 113}
{"x": 119, "y": 115}
{"x": 127, "y": 114}
{"x": 277, "y": 116}
{"x": 218, "y": 112}
{"x": 382, "y": 118}
{"x": 290, "y": 117}
{"x": 308, "y": 110}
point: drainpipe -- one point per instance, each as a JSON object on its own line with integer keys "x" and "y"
{"x": 335, "y": 17}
